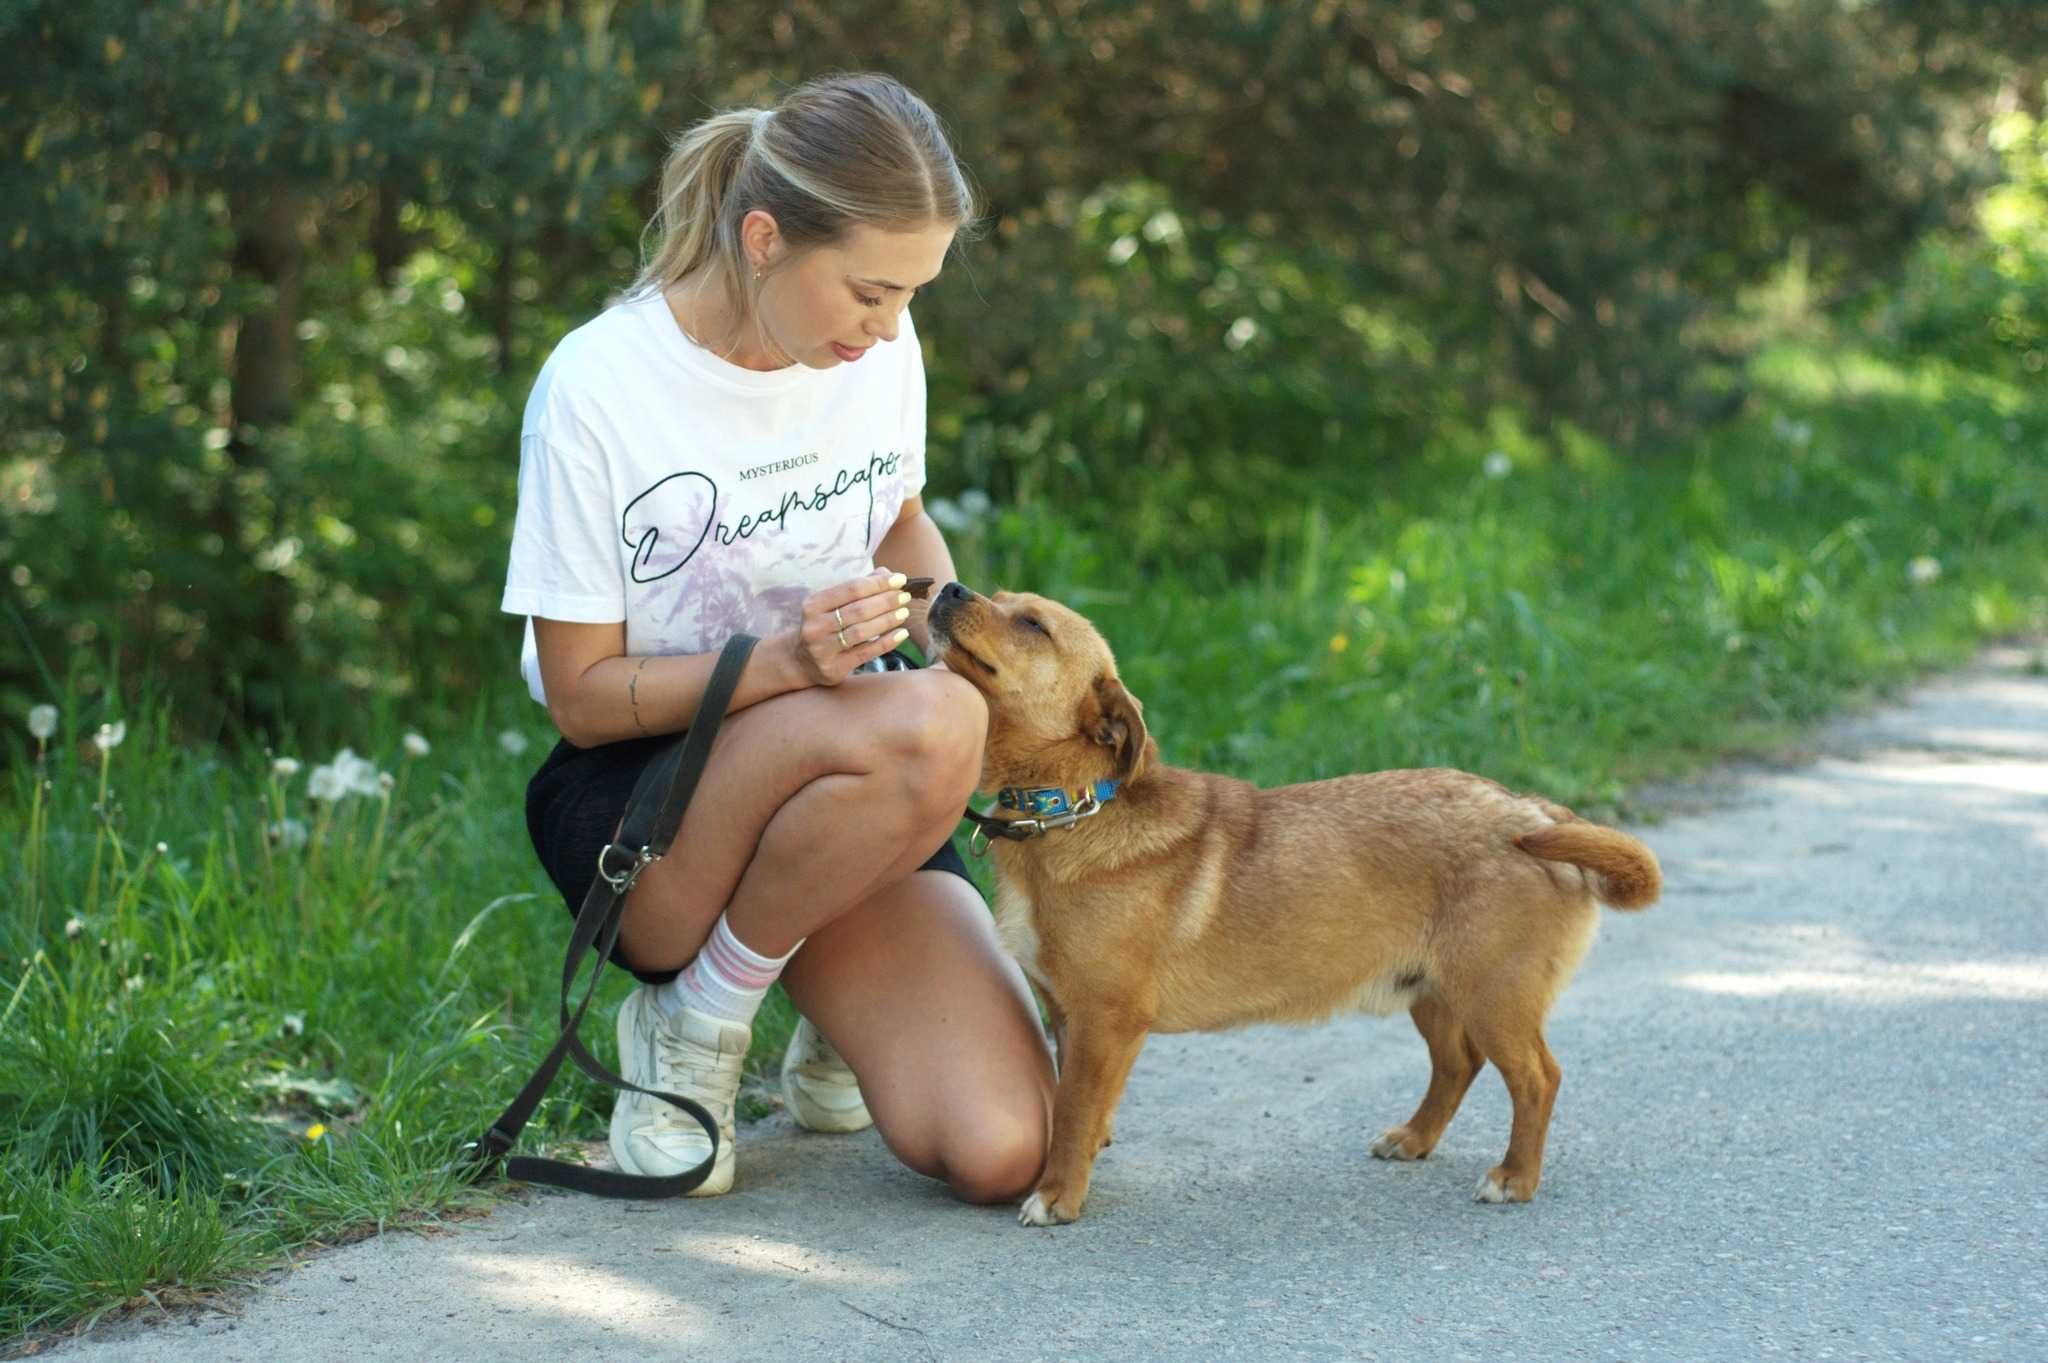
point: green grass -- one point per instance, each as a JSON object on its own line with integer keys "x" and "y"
{"x": 217, "y": 1046}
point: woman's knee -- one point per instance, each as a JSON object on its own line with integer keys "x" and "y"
{"x": 942, "y": 743}
{"x": 997, "y": 1161}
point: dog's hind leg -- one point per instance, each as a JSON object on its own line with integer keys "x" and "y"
{"x": 1513, "y": 1040}
{"x": 1454, "y": 1060}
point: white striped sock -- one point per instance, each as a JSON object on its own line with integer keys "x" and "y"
{"x": 728, "y": 979}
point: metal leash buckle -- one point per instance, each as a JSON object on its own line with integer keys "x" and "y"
{"x": 622, "y": 880}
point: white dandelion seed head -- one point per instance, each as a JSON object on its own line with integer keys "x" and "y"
{"x": 385, "y": 782}
{"x": 349, "y": 775}
{"x": 42, "y": 720}
{"x": 294, "y": 1024}
{"x": 1923, "y": 570}
{"x": 110, "y": 735}
{"x": 73, "y": 929}
{"x": 415, "y": 746}
{"x": 289, "y": 834}
{"x": 285, "y": 768}
{"x": 324, "y": 783}
{"x": 1497, "y": 465}
{"x": 512, "y": 741}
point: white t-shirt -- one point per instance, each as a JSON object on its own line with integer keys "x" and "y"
{"x": 691, "y": 498}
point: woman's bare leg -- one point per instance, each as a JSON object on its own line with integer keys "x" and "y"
{"x": 937, "y": 1022}
{"x": 810, "y": 802}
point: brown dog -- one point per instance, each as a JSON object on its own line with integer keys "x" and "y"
{"x": 1186, "y": 901}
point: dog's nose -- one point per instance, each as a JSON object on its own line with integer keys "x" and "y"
{"x": 955, "y": 593}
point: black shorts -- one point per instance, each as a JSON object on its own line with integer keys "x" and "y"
{"x": 575, "y": 801}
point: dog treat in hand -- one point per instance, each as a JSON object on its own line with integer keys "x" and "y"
{"x": 919, "y": 587}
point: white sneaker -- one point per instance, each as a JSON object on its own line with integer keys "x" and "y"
{"x": 694, "y": 1055}
{"x": 820, "y": 1090}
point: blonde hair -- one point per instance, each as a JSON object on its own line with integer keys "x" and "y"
{"x": 836, "y": 153}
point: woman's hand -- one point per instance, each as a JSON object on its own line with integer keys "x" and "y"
{"x": 846, "y": 625}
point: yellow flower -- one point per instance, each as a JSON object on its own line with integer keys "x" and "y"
{"x": 316, "y": 1131}
{"x": 1338, "y": 643}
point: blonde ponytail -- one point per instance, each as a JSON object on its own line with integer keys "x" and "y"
{"x": 836, "y": 153}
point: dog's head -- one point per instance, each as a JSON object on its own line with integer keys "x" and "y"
{"x": 1057, "y": 714}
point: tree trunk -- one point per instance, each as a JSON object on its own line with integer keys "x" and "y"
{"x": 264, "y": 379}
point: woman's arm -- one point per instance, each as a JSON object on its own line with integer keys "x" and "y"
{"x": 597, "y": 694}
{"x": 915, "y": 548}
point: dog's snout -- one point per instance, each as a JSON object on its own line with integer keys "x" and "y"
{"x": 955, "y": 593}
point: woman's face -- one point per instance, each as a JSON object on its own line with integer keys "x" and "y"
{"x": 828, "y": 305}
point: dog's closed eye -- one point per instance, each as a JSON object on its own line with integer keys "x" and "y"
{"x": 1033, "y": 622}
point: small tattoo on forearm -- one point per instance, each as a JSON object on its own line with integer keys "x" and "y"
{"x": 633, "y": 694}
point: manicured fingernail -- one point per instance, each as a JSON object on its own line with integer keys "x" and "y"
{"x": 903, "y": 598}
{"x": 903, "y": 614}
{"x": 897, "y": 579}
{"x": 900, "y": 635}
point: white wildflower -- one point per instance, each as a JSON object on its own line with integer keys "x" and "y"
{"x": 1497, "y": 465}
{"x": 110, "y": 735}
{"x": 285, "y": 768}
{"x": 1241, "y": 333}
{"x": 1923, "y": 570}
{"x": 294, "y": 1024}
{"x": 385, "y": 782}
{"x": 415, "y": 746}
{"x": 346, "y": 775}
{"x": 73, "y": 929}
{"x": 42, "y": 720}
{"x": 290, "y": 834}
{"x": 132, "y": 983}
{"x": 512, "y": 741}
{"x": 362, "y": 773}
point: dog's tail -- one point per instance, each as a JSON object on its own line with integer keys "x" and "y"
{"x": 1624, "y": 873}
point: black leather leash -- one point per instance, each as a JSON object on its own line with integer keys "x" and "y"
{"x": 653, "y": 814}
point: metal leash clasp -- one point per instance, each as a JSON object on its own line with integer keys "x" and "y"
{"x": 622, "y": 880}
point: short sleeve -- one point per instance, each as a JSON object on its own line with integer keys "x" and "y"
{"x": 912, "y": 419}
{"x": 565, "y": 560}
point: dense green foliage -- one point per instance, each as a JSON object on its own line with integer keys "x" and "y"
{"x": 278, "y": 271}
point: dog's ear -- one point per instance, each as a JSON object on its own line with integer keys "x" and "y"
{"x": 1114, "y": 719}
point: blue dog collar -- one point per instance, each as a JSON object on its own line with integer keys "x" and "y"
{"x": 1046, "y": 801}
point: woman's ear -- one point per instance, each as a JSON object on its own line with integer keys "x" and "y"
{"x": 1119, "y": 725}
{"x": 761, "y": 238}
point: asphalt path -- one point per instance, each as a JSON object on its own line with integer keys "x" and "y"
{"x": 1802, "y": 1116}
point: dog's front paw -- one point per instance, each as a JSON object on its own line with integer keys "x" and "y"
{"x": 1399, "y": 1143}
{"x": 1047, "y": 1207}
{"x": 1501, "y": 1186}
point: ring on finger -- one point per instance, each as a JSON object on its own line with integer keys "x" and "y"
{"x": 835, "y": 618}
{"x": 840, "y": 634}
